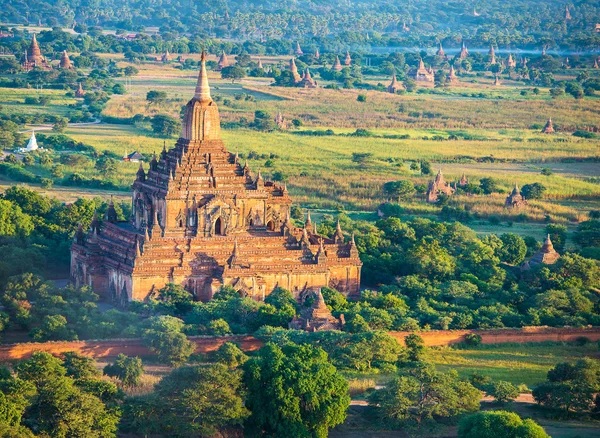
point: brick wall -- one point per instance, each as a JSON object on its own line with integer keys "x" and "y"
{"x": 204, "y": 344}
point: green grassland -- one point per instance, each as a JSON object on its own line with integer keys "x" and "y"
{"x": 515, "y": 363}
{"x": 13, "y": 101}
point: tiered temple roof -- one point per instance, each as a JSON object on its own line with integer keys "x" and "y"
{"x": 79, "y": 92}
{"x": 548, "y": 128}
{"x": 223, "y": 61}
{"x": 307, "y": 81}
{"x": 348, "y": 59}
{"x": 464, "y": 52}
{"x": 422, "y": 74}
{"x": 437, "y": 186}
{"x": 394, "y": 86}
{"x": 547, "y": 255}
{"x": 440, "y": 52}
{"x": 337, "y": 65}
{"x": 292, "y": 67}
{"x": 65, "y": 62}
{"x": 318, "y": 317}
{"x": 492, "y": 54}
{"x": 510, "y": 62}
{"x": 34, "y": 58}
{"x": 203, "y": 220}
{"x": 452, "y": 78}
{"x": 515, "y": 199}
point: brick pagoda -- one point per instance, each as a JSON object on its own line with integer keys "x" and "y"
{"x": 203, "y": 220}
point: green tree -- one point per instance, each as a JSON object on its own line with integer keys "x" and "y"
{"x": 421, "y": 395}
{"x": 60, "y": 408}
{"x": 513, "y": 249}
{"x": 488, "y": 185}
{"x": 175, "y": 299}
{"x": 588, "y": 234}
{"x": 128, "y": 370}
{"x": 13, "y": 222}
{"x": 156, "y": 97}
{"x": 533, "y": 191}
{"x": 499, "y": 424}
{"x": 164, "y": 337}
{"x": 190, "y": 401}
{"x": 79, "y": 367}
{"x": 503, "y": 391}
{"x": 425, "y": 168}
{"x": 233, "y": 72}
{"x": 229, "y": 354}
{"x": 415, "y": 347}
{"x": 294, "y": 391}
{"x": 400, "y": 190}
{"x": 165, "y": 126}
{"x": 60, "y": 125}
{"x": 263, "y": 121}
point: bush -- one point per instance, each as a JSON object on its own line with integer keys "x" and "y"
{"x": 499, "y": 424}
{"x": 362, "y": 98}
{"x": 503, "y": 391}
{"x": 472, "y": 339}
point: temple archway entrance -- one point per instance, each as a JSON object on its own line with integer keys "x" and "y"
{"x": 271, "y": 226}
{"x": 219, "y": 227}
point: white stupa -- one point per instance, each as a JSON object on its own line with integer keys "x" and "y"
{"x": 32, "y": 144}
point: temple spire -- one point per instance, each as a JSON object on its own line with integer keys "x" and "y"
{"x": 202, "y": 88}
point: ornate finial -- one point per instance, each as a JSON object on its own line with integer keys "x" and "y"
{"x": 146, "y": 236}
{"x": 308, "y": 222}
{"x": 138, "y": 252}
{"x": 202, "y": 88}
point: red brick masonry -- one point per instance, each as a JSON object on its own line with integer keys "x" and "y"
{"x": 204, "y": 344}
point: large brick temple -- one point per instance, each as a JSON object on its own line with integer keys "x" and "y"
{"x": 203, "y": 220}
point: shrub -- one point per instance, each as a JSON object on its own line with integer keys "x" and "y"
{"x": 472, "y": 339}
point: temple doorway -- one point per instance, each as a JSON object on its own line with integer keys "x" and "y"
{"x": 219, "y": 227}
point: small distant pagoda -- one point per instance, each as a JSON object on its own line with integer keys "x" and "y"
{"x": 32, "y": 144}
{"x": 452, "y": 78}
{"x": 394, "y": 86}
{"x": 318, "y": 317}
{"x": 547, "y": 255}
{"x": 422, "y": 74}
{"x": 348, "y": 59}
{"x": 515, "y": 199}
{"x": 280, "y": 121}
{"x": 437, "y": 186}
{"x": 79, "y": 92}
{"x": 463, "y": 182}
{"x": 307, "y": 81}
{"x": 596, "y": 63}
{"x": 317, "y": 54}
{"x": 65, "y": 62}
{"x": 298, "y": 51}
{"x": 511, "y": 62}
{"x": 337, "y": 65}
{"x": 492, "y": 54}
{"x": 259, "y": 64}
{"x": 567, "y": 13}
{"x": 166, "y": 57}
{"x": 34, "y": 58}
{"x": 223, "y": 62}
{"x": 440, "y": 52}
{"x": 464, "y": 52}
{"x": 292, "y": 67}
{"x": 548, "y": 128}
{"x": 497, "y": 82}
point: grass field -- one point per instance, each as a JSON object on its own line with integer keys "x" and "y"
{"x": 516, "y": 363}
